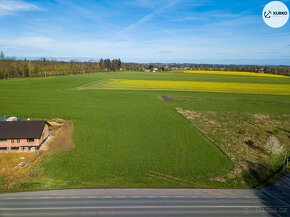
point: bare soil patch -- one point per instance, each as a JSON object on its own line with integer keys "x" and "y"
{"x": 16, "y": 167}
{"x": 61, "y": 136}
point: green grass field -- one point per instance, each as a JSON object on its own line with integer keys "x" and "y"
{"x": 123, "y": 136}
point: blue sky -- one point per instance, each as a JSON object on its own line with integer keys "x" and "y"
{"x": 192, "y": 31}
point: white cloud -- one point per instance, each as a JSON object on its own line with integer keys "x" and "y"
{"x": 28, "y": 42}
{"x": 12, "y": 6}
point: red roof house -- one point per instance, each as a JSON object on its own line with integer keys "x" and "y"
{"x": 23, "y": 135}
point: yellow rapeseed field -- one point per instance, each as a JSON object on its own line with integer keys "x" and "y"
{"x": 234, "y": 73}
{"x": 225, "y": 87}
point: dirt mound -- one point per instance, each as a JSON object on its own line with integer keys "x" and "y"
{"x": 61, "y": 136}
{"x": 57, "y": 120}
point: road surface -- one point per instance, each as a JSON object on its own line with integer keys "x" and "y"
{"x": 270, "y": 201}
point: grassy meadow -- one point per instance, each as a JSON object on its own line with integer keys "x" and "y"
{"x": 130, "y": 137}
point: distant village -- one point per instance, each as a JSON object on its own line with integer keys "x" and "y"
{"x": 160, "y": 67}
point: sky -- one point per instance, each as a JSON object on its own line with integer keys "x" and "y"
{"x": 145, "y": 31}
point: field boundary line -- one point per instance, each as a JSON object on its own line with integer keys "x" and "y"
{"x": 203, "y": 134}
{"x": 168, "y": 99}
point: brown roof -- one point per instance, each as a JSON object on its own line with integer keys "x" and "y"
{"x": 21, "y": 129}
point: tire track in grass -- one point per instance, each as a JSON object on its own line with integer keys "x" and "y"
{"x": 175, "y": 180}
{"x": 169, "y": 180}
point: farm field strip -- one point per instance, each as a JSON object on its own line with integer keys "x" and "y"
{"x": 234, "y": 73}
{"x": 223, "y": 87}
{"x": 167, "y": 99}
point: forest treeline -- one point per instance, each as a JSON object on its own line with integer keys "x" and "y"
{"x": 12, "y": 68}
{"x": 278, "y": 70}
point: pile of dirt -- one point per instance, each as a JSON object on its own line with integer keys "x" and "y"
{"x": 61, "y": 136}
{"x": 57, "y": 120}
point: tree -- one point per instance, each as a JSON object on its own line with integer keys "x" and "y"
{"x": 116, "y": 64}
{"x": 119, "y": 63}
{"x": 25, "y": 68}
{"x": 2, "y": 56}
{"x": 107, "y": 64}
{"x": 101, "y": 63}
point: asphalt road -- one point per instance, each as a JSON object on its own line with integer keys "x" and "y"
{"x": 270, "y": 201}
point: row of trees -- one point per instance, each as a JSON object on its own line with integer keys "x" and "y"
{"x": 12, "y": 68}
{"x": 280, "y": 70}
